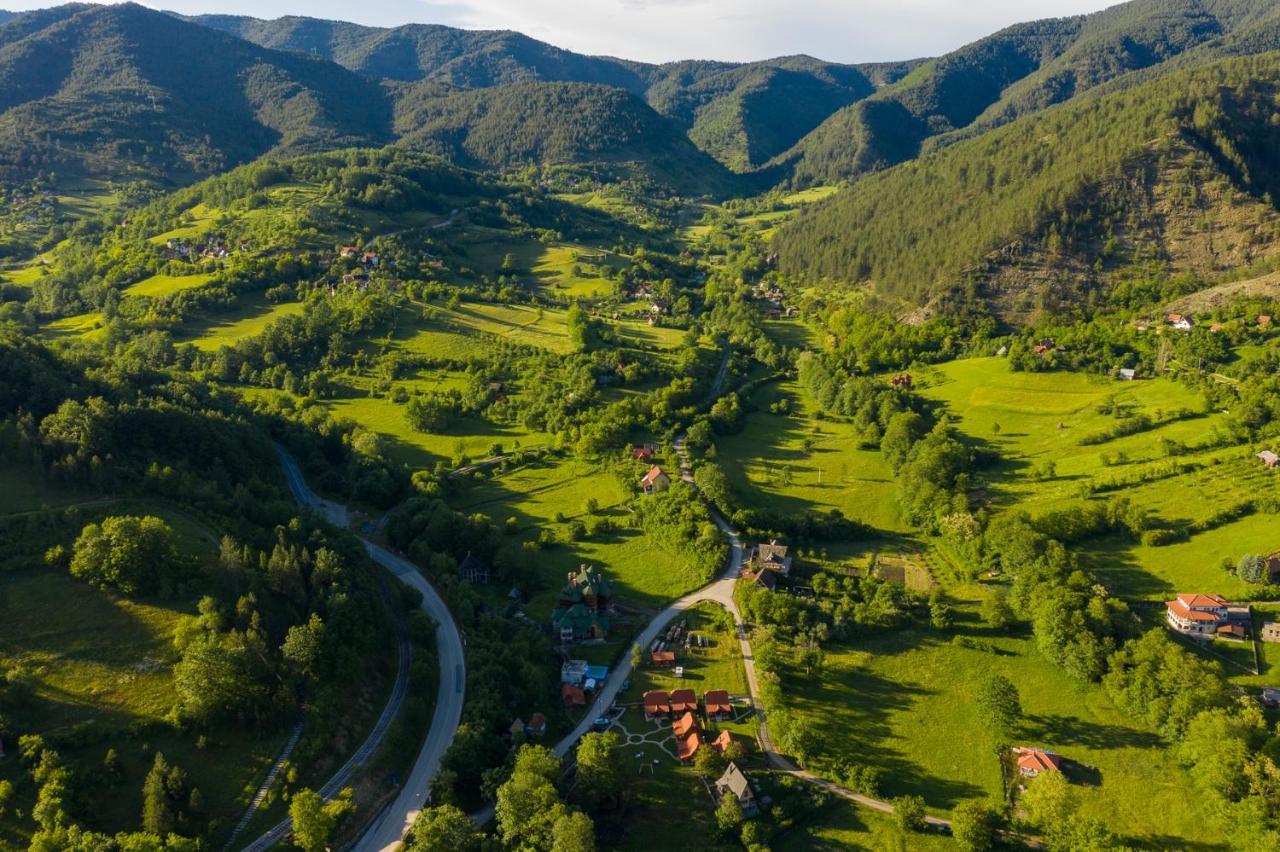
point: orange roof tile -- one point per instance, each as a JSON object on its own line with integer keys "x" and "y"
{"x": 686, "y": 723}
{"x": 1037, "y": 760}
{"x": 686, "y": 747}
{"x": 683, "y": 699}
{"x": 717, "y": 701}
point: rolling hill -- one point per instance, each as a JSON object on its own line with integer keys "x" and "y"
{"x": 1027, "y": 68}
{"x": 742, "y": 114}
{"x": 554, "y": 124}
{"x": 116, "y": 90}
{"x": 1181, "y": 171}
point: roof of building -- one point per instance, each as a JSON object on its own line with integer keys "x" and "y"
{"x": 537, "y": 722}
{"x": 657, "y": 699}
{"x": 767, "y": 579}
{"x": 1268, "y": 456}
{"x": 683, "y": 699}
{"x": 655, "y": 473}
{"x": 642, "y": 453}
{"x": 1232, "y": 630}
{"x": 687, "y": 746}
{"x": 722, "y": 742}
{"x": 735, "y": 782}
{"x": 772, "y": 553}
{"x": 1037, "y": 760}
{"x": 717, "y": 701}
{"x": 472, "y": 563}
{"x": 517, "y": 727}
{"x": 573, "y": 696}
{"x": 686, "y": 723}
{"x": 664, "y": 656}
{"x": 1181, "y": 610}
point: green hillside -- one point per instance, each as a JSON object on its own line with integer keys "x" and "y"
{"x": 117, "y": 89}
{"x": 1027, "y": 68}
{"x": 554, "y": 123}
{"x": 1179, "y": 170}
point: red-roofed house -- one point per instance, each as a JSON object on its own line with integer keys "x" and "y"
{"x": 687, "y": 747}
{"x": 1197, "y": 615}
{"x": 664, "y": 658}
{"x": 656, "y": 703}
{"x": 654, "y": 481}
{"x": 684, "y": 701}
{"x": 1033, "y": 761}
{"x": 716, "y": 702}
{"x": 722, "y": 742}
{"x": 684, "y": 725}
{"x": 537, "y": 725}
{"x": 573, "y": 696}
{"x": 642, "y": 454}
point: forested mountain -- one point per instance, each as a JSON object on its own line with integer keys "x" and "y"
{"x": 116, "y": 89}
{"x": 554, "y": 124}
{"x": 1026, "y": 68}
{"x": 1182, "y": 171}
{"x": 742, "y": 114}
{"x": 4, "y": 16}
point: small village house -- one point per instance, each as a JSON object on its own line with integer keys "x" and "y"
{"x": 684, "y": 701}
{"x": 516, "y": 731}
{"x": 1205, "y": 615}
{"x": 644, "y": 454}
{"x": 772, "y": 556}
{"x": 734, "y": 783}
{"x": 663, "y": 659}
{"x": 572, "y": 696}
{"x": 657, "y": 704}
{"x": 722, "y": 742}
{"x": 1033, "y": 761}
{"x": 687, "y": 747}
{"x": 473, "y": 569}
{"x": 1264, "y": 320}
{"x": 1126, "y": 374}
{"x": 767, "y": 579}
{"x": 573, "y": 672}
{"x": 1270, "y": 697}
{"x": 537, "y": 725}
{"x": 716, "y": 703}
{"x": 683, "y": 726}
{"x": 654, "y": 481}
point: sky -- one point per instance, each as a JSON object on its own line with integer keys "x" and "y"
{"x": 664, "y": 30}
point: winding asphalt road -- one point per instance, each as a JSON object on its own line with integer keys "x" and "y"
{"x": 396, "y": 819}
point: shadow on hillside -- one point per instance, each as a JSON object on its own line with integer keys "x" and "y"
{"x": 1065, "y": 731}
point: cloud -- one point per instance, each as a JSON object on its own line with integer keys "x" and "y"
{"x": 665, "y": 30}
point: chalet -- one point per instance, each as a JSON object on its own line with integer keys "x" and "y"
{"x": 1033, "y": 761}
{"x": 1203, "y": 615}
{"x": 572, "y": 696}
{"x": 687, "y": 747}
{"x": 684, "y": 701}
{"x": 716, "y": 703}
{"x": 656, "y": 704}
{"x": 585, "y": 607}
{"x": 1180, "y": 322}
{"x": 473, "y": 569}
{"x": 772, "y": 556}
{"x": 654, "y": 481}
{"x": 663, "y": 658}
{"x": 685, "y": 725}
{"x": 1269, "y": 459}
{"x": 901, "y": 380}
{"x": 722, "y": 742}
{"x": 643, "y": 454}
{"x": 537, "y": 725}
{"x": 734, "y": 783}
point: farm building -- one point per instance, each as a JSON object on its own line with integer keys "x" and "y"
{"x": 1033, "y": 761}
{"x": 1270, "y": 632}
{"x": 664, "y": 658}
{"x": 654, "y": 481}
{"x": 1269, "y": 459}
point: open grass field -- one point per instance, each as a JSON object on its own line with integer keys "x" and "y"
{"x": 904, "y": 701}
{"x": 197, "y": 219}
{"x": 99, "y": 665}
{"x": 842, "y": 825}
{"x": 523, "y": 324}
{"x": 1033, "y": 419}
{"x": 797, "y": 463}
{"x": 159, "y": 286}
{"x": 645, "y": 573}
{"x": 22, "y": 276}
{"x": 85, "y": 326}
{"x": 22, "y": 491}
{"x": 812, "y": 194}
{"x": 250, "y": 317}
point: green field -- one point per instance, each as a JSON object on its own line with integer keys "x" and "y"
{"x": 159, "y": 286}
{"x": 248, "y": 318}
{"x": 85, "y": 326}
{"x": 646, "y": 574}
{"x": 23, "y": 276}
{"x": 904, "y": 701}
{"x": 769, "y": 465}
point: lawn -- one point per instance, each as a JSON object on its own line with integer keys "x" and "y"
{"x": 159, "y": 286}
{"x": 795, "y": 462}
{"x": 842, "y": 825}
{"x": 904, "y": 701}
{"x": 250, "y": 317}
{"x": 23, "y": 276}
{"x": 85, "y": 326}
{"x": 646, "y": 574}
